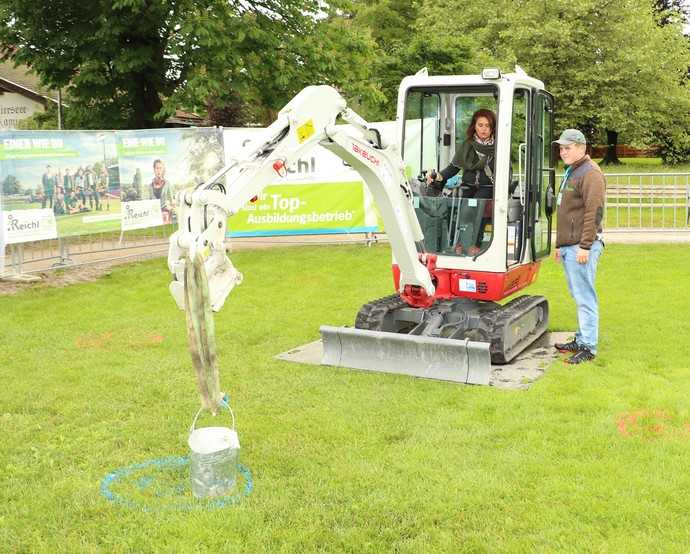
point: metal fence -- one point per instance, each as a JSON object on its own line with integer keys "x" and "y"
{"x": 639, "y": 201}
{"x": 648, "y": 201}
{"x": 85, "y": 249}
{"x": 113, "y": 247}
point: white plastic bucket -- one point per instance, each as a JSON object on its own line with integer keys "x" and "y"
{"x": 214, "y": 456}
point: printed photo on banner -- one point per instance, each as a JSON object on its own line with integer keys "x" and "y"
{"x": 155, "y": 164}
{"x": 58, "y": 183}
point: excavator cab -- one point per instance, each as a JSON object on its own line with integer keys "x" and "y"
{"x": 488, "y": 229}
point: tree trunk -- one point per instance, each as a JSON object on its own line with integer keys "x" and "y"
{"x": 612, "y": 140}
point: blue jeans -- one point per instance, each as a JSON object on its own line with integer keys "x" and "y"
{"x": 581, "y": 278}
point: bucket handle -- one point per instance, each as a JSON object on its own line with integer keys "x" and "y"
{"x": 223, "y": 403}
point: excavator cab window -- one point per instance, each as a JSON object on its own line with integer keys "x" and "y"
{"x": 422, "y": 116}
{"x": 456, "y": 219}
{"x": 518, "y": 181}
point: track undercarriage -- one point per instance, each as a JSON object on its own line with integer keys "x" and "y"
{"x": 508, "y": 329}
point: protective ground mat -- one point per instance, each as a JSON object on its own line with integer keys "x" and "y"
{"x": 527, "y": 368}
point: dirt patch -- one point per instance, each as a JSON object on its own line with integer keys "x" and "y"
{"x": 60, "y": 278}
{"x": 650, "y": 424}
{"x": 94, "y": 342}
{"x": 87, "y": 268}
{"x": 151, "y": 339}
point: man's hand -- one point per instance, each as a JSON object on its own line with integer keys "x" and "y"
{"x": 557, "y": 256}
{"x": 582, "y": 256}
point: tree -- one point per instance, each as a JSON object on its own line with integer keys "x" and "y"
{"x": 405, "y": 42}
{"x": 130, "y": 63}
{"x": 11, "y": 185}
{"x": 611, "y": 68}
{"x": 670, "y": 11}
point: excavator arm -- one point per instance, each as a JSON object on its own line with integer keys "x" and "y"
{"x": 307, "y": 120}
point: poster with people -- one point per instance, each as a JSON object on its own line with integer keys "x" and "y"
{"x": 156, "y": 164}
{"x": 58, "y": 183}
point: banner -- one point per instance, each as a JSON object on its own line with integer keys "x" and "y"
{"x": 65, "y": 183}
{"x": 304, "y": 209}
{"x": 28, "y": 225}
{"x": 71, "y": 174}
{"x": 155, "y": 164}
{"x": 320, "y": 194}
{"x": 141, "y": 214}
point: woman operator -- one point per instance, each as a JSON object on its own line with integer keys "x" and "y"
{"x": 476, "y": 159}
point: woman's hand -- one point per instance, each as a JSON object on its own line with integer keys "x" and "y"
{"x": 431, "y": 176}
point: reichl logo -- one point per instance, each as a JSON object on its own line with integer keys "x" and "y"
{"x": 14, "y": 224}
{"x": 364, "y": 154}
{"x": 134, "y": 214}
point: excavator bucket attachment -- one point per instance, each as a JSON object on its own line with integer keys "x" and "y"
{"x": 460, "y": 361}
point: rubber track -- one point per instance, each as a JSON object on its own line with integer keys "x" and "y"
{"x": 371, "y": 316}
{"x": 507, "y": 313}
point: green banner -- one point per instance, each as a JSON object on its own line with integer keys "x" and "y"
{"x": 299, "y": 209}
{"x": 25, "y": 148}
{"x": 132, "y": 145}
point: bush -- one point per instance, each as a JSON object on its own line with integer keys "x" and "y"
{"x": 675, "y": 148}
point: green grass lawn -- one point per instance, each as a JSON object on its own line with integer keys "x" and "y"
{"x": 592, "y": 458}
{"x": 643, "y": 165}
{"x": 634, "y": 217}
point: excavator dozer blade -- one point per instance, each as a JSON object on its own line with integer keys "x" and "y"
{"x": 460, "y": 361}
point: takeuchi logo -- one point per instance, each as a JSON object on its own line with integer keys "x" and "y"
{"x": 365, "y": 154}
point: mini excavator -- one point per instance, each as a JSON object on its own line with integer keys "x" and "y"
{"x": 445, "y": 320}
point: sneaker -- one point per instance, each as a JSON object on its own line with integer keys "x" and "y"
{"x": 583, "y": 355}
{"x": 571, "y": 346}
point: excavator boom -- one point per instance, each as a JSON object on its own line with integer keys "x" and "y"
{"x": 312, "y": 118}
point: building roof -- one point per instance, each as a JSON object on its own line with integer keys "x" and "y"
{"x": 19, "y": 79}
{"x": 185, "y": 119}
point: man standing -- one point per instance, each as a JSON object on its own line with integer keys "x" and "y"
{"x": 579, "y": 242}
{"x": 48, "y": 181}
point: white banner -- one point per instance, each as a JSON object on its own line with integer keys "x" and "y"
{"x": 316, "y": 167}
{"x": 139, "y": 214}
{"x": 29, "y": 225}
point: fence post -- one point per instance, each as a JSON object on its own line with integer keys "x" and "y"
{"x": 64, "y": 260}
{"x": 16, "y": 260}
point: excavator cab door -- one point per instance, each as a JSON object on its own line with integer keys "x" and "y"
{"x": 542, "y": 175}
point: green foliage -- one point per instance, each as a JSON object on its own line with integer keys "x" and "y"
{"x": 11, "y": 185}
{"x": 404, "y": 44}
{"x": 98, "y": 377}
{"x": 608, "y": 64}
{"x": 130, "y": 64}
{"x": 675, "y": 145}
